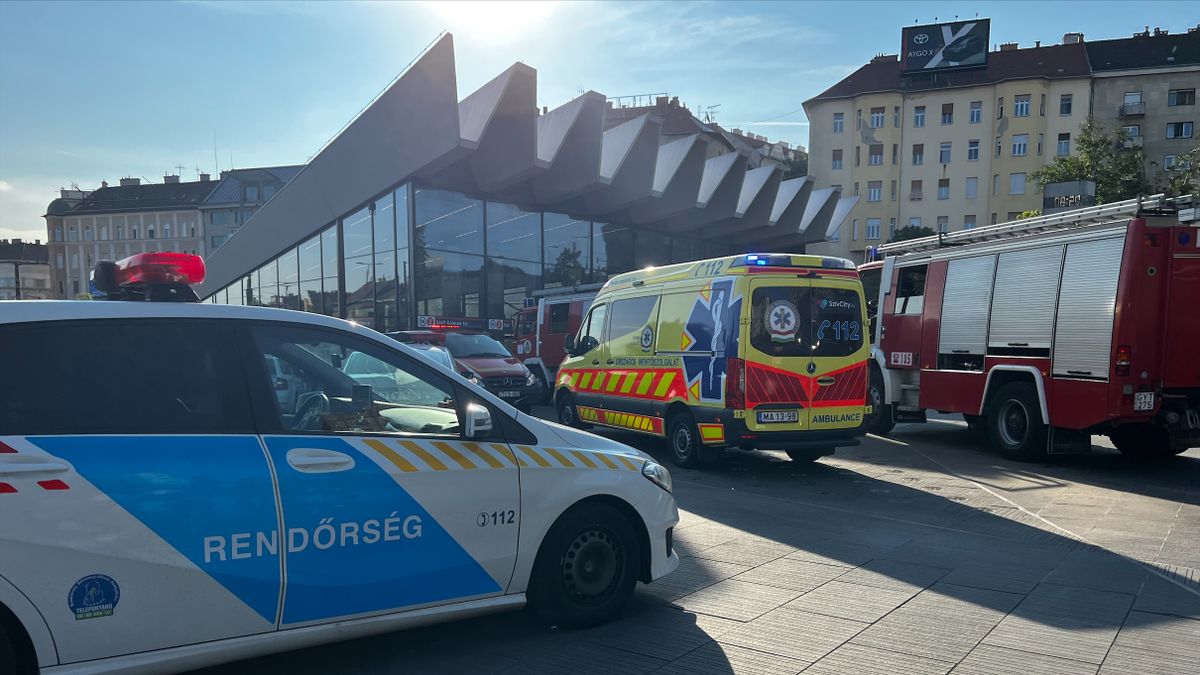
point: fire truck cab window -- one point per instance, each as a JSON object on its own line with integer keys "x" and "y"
{"x": 910, "y": 290}
{"x": 870, "y": 280}
{"x": 558, "y": 317}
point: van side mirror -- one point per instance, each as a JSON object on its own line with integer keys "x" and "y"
{"x": 478, "y": 422}
{"x": 569, "y": 345}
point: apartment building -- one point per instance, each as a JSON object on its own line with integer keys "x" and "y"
{"x": 944, "y": 150}
{"x": 1147, "y": 85}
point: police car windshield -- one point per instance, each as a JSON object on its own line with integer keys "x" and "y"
{"x": 465, "y": 346}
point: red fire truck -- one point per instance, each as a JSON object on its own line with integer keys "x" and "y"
{"x": 544, "y": 324}
{"x": 1041, "y": 332}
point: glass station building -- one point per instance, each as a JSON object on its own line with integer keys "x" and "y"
{"x": 425, "y": 209}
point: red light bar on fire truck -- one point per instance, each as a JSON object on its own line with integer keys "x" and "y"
{"x": 160, "y": 277}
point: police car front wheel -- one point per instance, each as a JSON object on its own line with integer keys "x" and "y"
{"x": 586, "y": 568}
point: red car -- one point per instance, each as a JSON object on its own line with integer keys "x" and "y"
{"x": 482, "y": 357}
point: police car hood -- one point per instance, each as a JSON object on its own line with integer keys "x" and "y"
{"x": 581, "y": 439}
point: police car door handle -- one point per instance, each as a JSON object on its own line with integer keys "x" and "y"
{"x": 26, "y": 467}
{"x": 316, "y": 460}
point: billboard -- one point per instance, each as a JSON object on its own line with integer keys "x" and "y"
{"x": 962, "y": 44}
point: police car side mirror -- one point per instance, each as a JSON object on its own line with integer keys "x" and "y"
{"x": 569, "y": 345}
{"x": 478, "y": 423}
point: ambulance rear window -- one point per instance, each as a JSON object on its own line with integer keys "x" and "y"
{"x": 803, "y": 321}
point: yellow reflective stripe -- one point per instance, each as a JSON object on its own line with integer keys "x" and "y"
{"x": 664, "y": 385}
{"x": 424, "y": 454}
{"x": 575, "y": 379}
{"x": 584, "y": 458}
{"x": 599, "y": 381}
{"x": 503, "y": 450}
{"x": 628, "y": 464}
{"x": 613, "y": 380}
{"x": 538, "y": 459}
{"x": 390, "y": 455}
{"x": 454, "y": 455}
{"x": 587, "y": 379}
{"x": 603, "y": 458}
{"x": 558, "y": 456}
{"x": 644, "y": 385}
{"x": 629, "y": 380}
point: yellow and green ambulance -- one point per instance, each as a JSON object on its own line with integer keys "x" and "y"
{"x": 750, "y": 351}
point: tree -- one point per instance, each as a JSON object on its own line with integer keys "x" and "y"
{"x": 1102, "y": 156}
{"x": 795, "y": 168}
{"x": 1182, "y": 177}
{"x": 1029, "y": 214}
{"x": 911, "y": 232}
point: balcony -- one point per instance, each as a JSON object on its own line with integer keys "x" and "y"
{"x": 1133, "y": 110}
{"x": 1132, "y": 142}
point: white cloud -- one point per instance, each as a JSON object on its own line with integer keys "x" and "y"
{"x": 5, "y": 186}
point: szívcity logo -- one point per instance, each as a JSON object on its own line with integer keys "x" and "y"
{"x": 781, "y": 321}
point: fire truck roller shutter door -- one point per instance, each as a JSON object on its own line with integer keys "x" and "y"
{"x": 1083, "y": 331}
{"x": 964, "y": 313}
{"x": 1023, "y": 302}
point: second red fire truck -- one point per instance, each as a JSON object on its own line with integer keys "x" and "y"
{"x": 542, "y": 327}
{"x": 1042, "y": 332}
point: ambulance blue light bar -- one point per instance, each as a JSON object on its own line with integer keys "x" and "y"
{"x": 785, "y": 260}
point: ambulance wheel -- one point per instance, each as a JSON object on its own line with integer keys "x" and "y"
{"x": 1015, "y": 423}
{"x": 808, "y": 455}
{"x": 586, "y": 567}
{"x": 1143, "y": 441}
{"x": 568, "y": 414}
{"x": 684, "y": 439}
{"x": 880, "y": 421}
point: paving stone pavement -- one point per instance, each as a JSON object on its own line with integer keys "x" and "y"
{"x": 919, "y": 553}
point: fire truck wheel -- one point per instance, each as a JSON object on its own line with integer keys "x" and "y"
{"x": 880, "y": 421}
{"x": 1015, "y": 422}
{"x": 1143, "y": 441}
{"x": 543, "y": 395}
{"x": 568, "y": 414}
{"x": 977, "y": 425}
{"x": 684, "y": 440}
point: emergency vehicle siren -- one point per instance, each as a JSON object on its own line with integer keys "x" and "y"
{"x": 156, "y": 277}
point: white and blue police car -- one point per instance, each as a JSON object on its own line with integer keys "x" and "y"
{"x": 163, "y": 511}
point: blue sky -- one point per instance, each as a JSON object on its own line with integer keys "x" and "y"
{"x": 97, "y": 91}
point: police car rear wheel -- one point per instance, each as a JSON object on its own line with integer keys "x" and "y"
{"x": 586, "y": 568}
{"x": 684, "y": 440}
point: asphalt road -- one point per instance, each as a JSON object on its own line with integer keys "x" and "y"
{"x": 922, "y": 552}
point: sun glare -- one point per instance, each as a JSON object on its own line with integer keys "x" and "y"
{"x": 495, "y": 22}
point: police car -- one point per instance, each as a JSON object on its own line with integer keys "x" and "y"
{"x": 162, "y": 511}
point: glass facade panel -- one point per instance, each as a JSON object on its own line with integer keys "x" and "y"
{"x": 652, "y": 248}
{"x": 385, "y": 223}
{"x": 289, "y": 276}
{"x": 268, "y": 285}
{"x": 310, "y": 259}
{"x": 612, "y": 250}
{"x": 567, "y": 250}
{"x": 509, "y": 282}
{"x": 386, "y": 318}
{"x": 310, "y": 296}
{"x": 330, "y": 289}
{"x": 448, "y": 221}
{"x": 513, "y": 233}
{"x": 357, "y": 230}
{"x": 448, "y": 284}
{"x": 686, "y": 249}
{"x": 360, "y": 290}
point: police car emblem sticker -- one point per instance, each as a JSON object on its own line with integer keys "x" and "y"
{"x": 94, "y": 596}
{"x": 647, "y": 338}
{"x": 781, "y": 321}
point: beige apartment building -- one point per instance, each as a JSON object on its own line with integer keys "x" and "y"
{"x": 1147, "y": 84}
{"x": 946, "y": 150}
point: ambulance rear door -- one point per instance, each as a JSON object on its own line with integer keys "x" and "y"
{"x": 777, "y": 353}
{"x": 838, "y": 353}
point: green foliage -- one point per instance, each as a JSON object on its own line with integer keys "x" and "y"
{"x": 911, "y": 232}
{"x": 1182, "y": 177}
{"x": 1100, "y": 156}
{"x": 796, "y": 167}
{"x": 1029, "y": 214}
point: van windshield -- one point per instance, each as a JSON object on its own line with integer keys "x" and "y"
{"x": 471, "y": 345}
{"x": 804, "y": 321}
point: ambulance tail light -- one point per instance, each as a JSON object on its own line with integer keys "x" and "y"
{"x": 1124, "y": 359}
{"x": 735, "y": 383}
{"x": 160, "y": 268}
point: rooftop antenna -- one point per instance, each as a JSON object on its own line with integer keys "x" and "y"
{"x": 179, "y": 169}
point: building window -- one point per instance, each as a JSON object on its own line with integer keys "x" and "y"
{"x": 839, "y": 121}
{"x": 1041, "y": 142}
{"x": 969, "y": 222}
{"x": 854, "y": 230}
{"x": 1064, "y": 145}
{"x": 918, "y": 154}
{"x": 1064, "y": 105}
{"x": 133, "y": 232}
{"x": 855, "y": 187}
{"x": 976, "y": 112}
{"x": 915, "y": 221}
{"x": 565, "y": 242}
{"x": 895, "y": 154}
{"x": 1179, "y": 130}
{"x": 1042, "y": 106}
{"x": 915, "y": 194}
{"x": 1133, "y": 97}
{"x": 58, "y": 260}
{"x": 993, "y": 218}
{"x": 875, "y": 191}
{"x": 857, "y": 155}
{"x": 251, "y": 193}
{"x": 1181, "y": 97}
{"x": 150, "y": 232}
{"x": 943, "y": 192}
{"x": 894, "y": 190}
{"x": 166, "y": 230}
{"x": 1020, "y": 145}
{"x": 999, "y": 145}
{"x": 1168, "y": 162}
{"x": 944, "y": 153}
{"x": 858, "y": 119}
{"x": 995, "y": 184}
{"x": 972, "y": 187}
{"x": 943, "y": 223}
{"x": 875, "y": 155}
{"x": 1000, "y": 108}
{"x": 973, "y": 151}
{"x": 837, "y": 159}
{"x": 896, "y": 116}
{"x": 891, "y": 227}
{"x": 120, "y": 232}
{"x": 873, "y": 228}
{"x": 947, "y": 113}
{"x": 87, "y": 231}
{"x": 837, "y": 233}
{"x": 919, "y": 116}
{"x": 876, "y": 118}
{"x": 58, "y": 233}
{"x": 446, "y": 221}
{"x": 1016, "y": 183}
